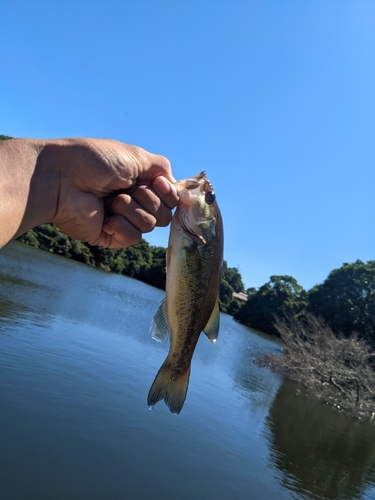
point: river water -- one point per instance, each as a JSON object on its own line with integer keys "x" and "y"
{"x": 76, "y": 364}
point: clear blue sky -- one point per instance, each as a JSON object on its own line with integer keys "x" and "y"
{"x": 274, "y": 99}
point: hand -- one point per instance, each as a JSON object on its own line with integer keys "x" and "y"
{"x": 109, "y": 193}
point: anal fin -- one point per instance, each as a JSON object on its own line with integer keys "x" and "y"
{"x": 213, "y": 324}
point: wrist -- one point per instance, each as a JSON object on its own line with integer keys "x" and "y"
{"x": 43, "y": 186}
{"x": 29, "y": 187}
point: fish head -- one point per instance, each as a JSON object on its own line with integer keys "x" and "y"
{"x": 197, "y": 210}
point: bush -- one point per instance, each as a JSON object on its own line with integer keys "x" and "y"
{"x": 337, "y": 369}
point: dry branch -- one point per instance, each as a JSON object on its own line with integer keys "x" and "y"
{"x": 337, "y": 369}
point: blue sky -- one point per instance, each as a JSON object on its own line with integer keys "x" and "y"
{"x": 274, "y": 99}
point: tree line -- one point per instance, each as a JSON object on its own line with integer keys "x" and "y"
{"x": 345, "y": 301}
{"x": 143, "y": 261}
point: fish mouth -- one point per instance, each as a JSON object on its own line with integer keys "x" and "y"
{"x": 191, "y": 183}
{"x": 193, "y": 188}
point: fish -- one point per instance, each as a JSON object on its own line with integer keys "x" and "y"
{"x": 191, "y": 305}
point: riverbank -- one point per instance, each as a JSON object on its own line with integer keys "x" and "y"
{"x": 336, "y": 369}
{"x": 144, "y": 262}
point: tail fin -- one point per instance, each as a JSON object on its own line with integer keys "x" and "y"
{"x": 171, "y": 387}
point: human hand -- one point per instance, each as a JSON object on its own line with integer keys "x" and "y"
{"x": 109, "y": 193}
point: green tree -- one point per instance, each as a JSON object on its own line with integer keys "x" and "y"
{"x": 138, "y": 259}
{"x": 155, "y": 274}
{"x": 144, "y": 262}
{"x": 234, "y": 306}
{"x": 231, "y": 281}
{"x": 233, "y": 277}
{"x": 346, "y": 299}
{"x": 5, "y": 137}
{"x": 281, "y": 297}
{"x": 225, "y": 295}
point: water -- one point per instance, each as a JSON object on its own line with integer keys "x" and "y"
{"x": 77, "y": 362}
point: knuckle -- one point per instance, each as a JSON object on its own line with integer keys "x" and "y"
{"x": 122, "y": 232}
{"x": 164, "y": 217}
{"x": 119, "y": 202}
{"x": 163, "y": 162}
{"x": 148, "y": 223}
{"x": 144, "y": 195}
{"x": 134, "y": 239}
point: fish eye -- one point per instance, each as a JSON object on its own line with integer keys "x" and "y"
{"x": 210, "y": 197}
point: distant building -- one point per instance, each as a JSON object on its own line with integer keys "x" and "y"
{"x": 240, "y": 296}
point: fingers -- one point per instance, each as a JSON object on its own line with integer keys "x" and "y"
{"x": 152, "y": 166}
{"x": 160, "y": 165}
{"x": 125, "y": 205}
{"x": 148, "y": 203}
{"x": 121, "y": 233}
{"x": 102, "y": 168}
{"x": 146, "y": 207}
{"x": 158, "y": 200}
{"x": 166, "y": 191}
{"x": 131, "y": 215}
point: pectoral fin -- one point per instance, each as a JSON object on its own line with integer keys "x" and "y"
{"x": 159, "y": 326}
{"x": 212, "y": 327}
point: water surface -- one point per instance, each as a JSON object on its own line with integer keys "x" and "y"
{"x": 76, "y": 364}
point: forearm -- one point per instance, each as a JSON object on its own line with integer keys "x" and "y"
{"x": 27, "y": 189}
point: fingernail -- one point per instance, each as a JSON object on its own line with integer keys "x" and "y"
{"x": 163, "y": 185}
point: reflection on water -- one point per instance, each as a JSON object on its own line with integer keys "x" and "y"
{"x": 320, "y": 452}
{"x": 76, "y": 363}
{"x": 9, "y": 309}
{"x": 260, "y": 385}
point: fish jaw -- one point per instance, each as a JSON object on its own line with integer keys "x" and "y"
{"x": 191, "y": 183}
{"x": 191, "y": 189}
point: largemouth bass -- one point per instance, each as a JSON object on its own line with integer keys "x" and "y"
{"x": 194, "y": 261}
